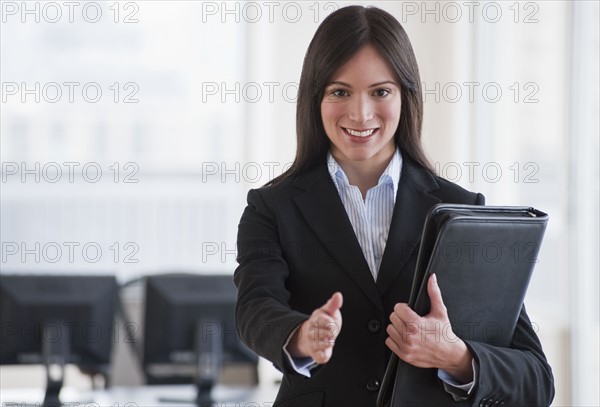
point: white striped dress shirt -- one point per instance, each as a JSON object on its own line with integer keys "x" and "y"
{"x": 371, "y": 217}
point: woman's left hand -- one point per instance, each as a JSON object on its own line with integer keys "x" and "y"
{"x": 429, "y": 341}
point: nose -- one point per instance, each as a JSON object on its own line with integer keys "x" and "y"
{"x": 361, "y": 109}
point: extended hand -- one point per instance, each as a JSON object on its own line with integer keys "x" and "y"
{"x": 316, "y": 336}
{"x": 429, "y": 341}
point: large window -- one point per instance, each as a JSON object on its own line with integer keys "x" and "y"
{"x": 113, "y": 135}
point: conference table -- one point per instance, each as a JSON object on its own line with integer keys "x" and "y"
{"x": 145, "y": 396}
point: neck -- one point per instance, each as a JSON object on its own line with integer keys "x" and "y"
{"x": 365, "y": 174}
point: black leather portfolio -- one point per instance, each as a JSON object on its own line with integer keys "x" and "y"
{"x": 483, "y": 258}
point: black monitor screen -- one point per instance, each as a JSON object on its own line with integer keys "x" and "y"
{"x": 56, "y": 320}
{"x": 183, "y": 313}
{"x": 77, "y": 311}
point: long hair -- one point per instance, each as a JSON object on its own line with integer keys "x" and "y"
{"x": 341, "y": 35}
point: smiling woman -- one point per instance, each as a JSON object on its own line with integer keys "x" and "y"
{"x": 330, "y": 49}
{"x": 359, "y": 190}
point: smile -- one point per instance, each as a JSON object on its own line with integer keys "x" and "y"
{"x": 359, "y": 133}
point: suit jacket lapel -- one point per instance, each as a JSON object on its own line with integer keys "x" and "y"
{"x": 412, "y": 204}
{"x": 324, "y": 212}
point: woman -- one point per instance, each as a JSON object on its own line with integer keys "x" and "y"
{"x": 326, "y": 251}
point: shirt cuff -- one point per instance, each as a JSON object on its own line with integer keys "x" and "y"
{"x": 457, "y": 390}
{"x": 302, "y": 366}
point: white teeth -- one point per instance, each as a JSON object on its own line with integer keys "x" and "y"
{"x": 365, "y": 133}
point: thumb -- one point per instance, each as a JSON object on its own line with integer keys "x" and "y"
{"x": 333, "y": 304}
{"x": 435, "y": 296}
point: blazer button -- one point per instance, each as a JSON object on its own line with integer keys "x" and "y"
{"x": 373, "y": 385}
{"x": 374, "y": 326}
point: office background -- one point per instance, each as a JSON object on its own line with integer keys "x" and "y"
{"x": 131, "y": 132}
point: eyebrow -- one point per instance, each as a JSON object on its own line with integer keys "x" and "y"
{"x": 350, "y": 86}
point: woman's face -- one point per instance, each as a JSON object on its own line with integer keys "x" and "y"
{"x": 361, "y": 109}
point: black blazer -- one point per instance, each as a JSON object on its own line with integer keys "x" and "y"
{"x": 296, "y": 247}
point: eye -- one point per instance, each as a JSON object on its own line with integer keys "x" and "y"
{"x": 339, "y": 93}
{"x": 382, "y": 92}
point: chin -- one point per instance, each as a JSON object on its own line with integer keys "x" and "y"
{"x": 360, "y": 155}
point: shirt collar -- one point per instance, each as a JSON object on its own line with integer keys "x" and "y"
{"x": 391, "y": 174}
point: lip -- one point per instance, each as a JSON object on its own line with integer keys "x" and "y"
{"x": 357, "y": 139}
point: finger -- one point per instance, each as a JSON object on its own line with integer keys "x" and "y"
{"x": 395, "y": 333}
{"x": 435, "y": 296}
{"x": 331, "y": 331}
{"x": 319, "y": 357}
{"x": 401, "y": 331}
{"x": 397, "y": 322}
{"x": 406, "y": 314}
{"x": 405, "y": 352}
{"x": 327, "y": 332}
{"x": 323, "y": 327}
{"x": 322, "y": 356}
{"x": 333, "y": 304}
{"x": 390, "y": 343}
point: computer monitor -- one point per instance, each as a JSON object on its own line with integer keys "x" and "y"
{"x": 189, "y": 331}
{"x": 56, "y": 320}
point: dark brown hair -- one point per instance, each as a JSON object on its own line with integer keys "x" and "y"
{"x": 341, "y": 35}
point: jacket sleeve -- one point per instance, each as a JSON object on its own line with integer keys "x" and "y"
{"x": 519, "y": 375}
{"x": 264, "y": 320}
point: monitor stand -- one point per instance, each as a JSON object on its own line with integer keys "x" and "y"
{"x": 209, "y": 352}
{"x": 209, "y": 356}
{"x": 56, "y": 355}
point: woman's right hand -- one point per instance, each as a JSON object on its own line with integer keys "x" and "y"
{"x": 316, "y": 336}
